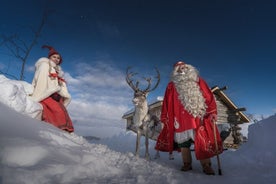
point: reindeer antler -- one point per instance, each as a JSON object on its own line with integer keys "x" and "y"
{"x": 129, "y": 80}
{"x": 135, "y": 87}
{"x": 149, "y": 82}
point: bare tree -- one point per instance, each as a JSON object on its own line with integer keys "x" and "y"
{"x": 19, "y": 48}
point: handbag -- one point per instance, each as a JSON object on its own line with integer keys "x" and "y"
{"x": 208, "y": 142}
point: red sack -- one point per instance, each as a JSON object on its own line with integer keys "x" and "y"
{"x": 205, "y": 146}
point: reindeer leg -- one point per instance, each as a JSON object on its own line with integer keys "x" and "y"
{"x": 157, "y": 154}
{"x": 138, "y": 142}
{"x": 147, "y": 142}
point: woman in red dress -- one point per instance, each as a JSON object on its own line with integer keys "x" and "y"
{"x": 51, "y": 91}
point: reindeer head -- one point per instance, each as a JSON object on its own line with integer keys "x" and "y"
{"x": 140, "y": 96}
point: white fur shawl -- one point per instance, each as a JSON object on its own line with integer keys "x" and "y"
{"x": 44, "y": 85}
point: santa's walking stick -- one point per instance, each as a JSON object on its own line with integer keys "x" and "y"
{"x": 216, "y": 144}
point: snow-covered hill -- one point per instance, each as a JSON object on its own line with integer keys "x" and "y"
{"x": 34, "y": 152}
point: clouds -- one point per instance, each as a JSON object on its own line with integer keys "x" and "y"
{"x": 97, "y": 76}
{"x": 100, "y": 94}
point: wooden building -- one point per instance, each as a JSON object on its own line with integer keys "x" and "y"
{"x": 229, "y": 118}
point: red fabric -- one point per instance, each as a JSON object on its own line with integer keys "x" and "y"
{"x": 52, "y": 51}
{"x": 205, "y": 143}
{"x": 56, "y": 114}
{"x": 61, "y": 79}
{"x": 172, "y": 108}
{"x": 55, "y": 75}
{"x": 179, "y": 63}
{"x": 165, "y": 139}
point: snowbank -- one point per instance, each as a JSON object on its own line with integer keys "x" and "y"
{"x": 15, "y": 94}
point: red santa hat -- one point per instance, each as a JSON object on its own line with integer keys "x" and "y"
{"x": 52, "y": 51}
{"x": 178, "y": 63}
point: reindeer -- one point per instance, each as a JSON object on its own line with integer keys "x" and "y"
{"x": 142, "y": 119}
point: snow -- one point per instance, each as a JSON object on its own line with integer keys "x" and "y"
{"x": 15, "y": 94}
{"x": 35, "y": 152}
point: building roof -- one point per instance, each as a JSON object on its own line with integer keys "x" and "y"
{"x": 158, "y": 102}
{"x": 222, "y": 96}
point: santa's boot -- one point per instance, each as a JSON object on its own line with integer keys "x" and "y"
{"x": 187, "y": 159}
{"x": 206, "y": 166}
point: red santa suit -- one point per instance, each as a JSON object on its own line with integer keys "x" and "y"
{"x": 48, "y": 84}
{"x": 177, "y": 119}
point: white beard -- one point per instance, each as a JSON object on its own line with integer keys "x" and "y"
{"x": 190, "y": 95}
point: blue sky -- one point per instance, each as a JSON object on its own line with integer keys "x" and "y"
{"x": 231, "y": 42}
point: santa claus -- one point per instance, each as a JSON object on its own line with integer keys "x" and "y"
{"x": 187, "y": 101}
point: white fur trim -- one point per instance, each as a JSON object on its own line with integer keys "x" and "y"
{"x": 44, "y": 86}
{"x": 181, "y": 137}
